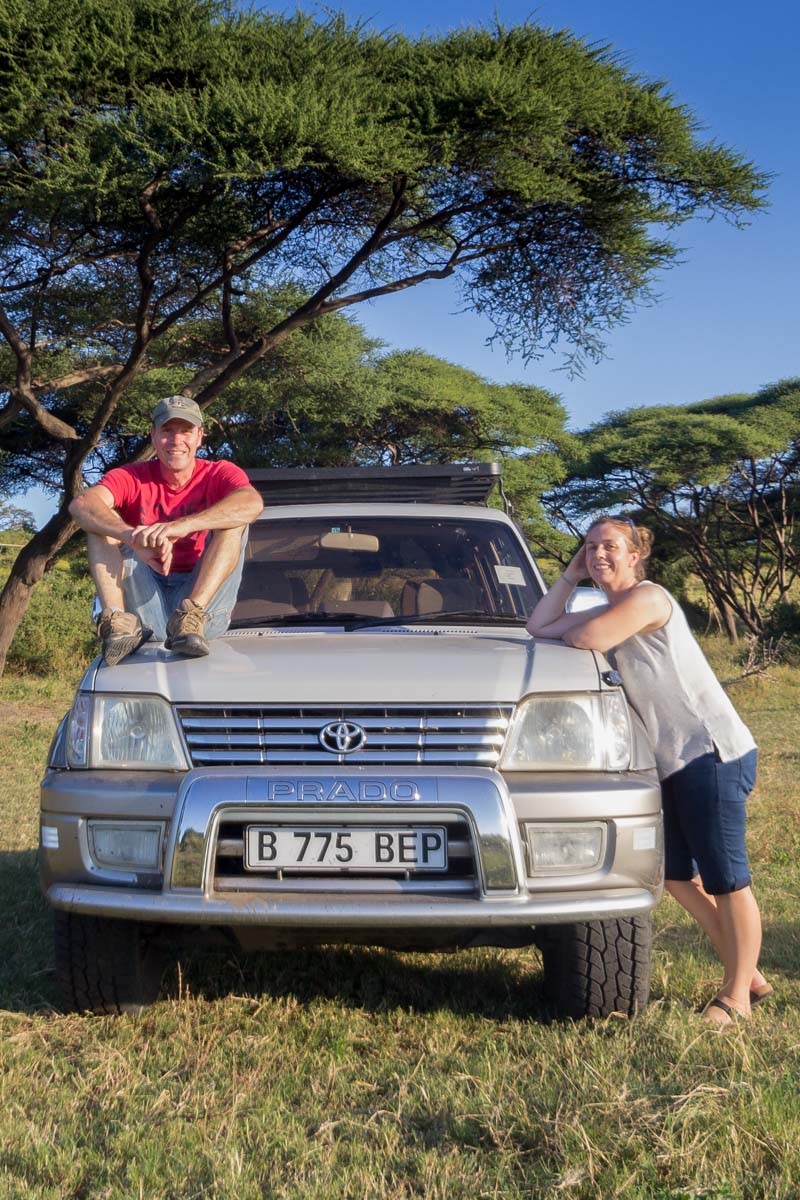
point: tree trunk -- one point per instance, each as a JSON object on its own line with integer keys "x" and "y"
{"x": 730, "y": 623}
{"x": 29, "y": 566}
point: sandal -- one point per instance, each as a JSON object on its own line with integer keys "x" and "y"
{"x": 758, "y": 997}
{"x": 731, "y": 1013}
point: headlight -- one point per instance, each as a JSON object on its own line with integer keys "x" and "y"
{"x": 124, "y": 731}
{"x": 582, "y": 732}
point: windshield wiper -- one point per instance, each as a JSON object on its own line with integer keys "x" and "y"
{"x": 359, "y": 621}
{"x": 314, "y": 618}
{"x": 481, "y": 618}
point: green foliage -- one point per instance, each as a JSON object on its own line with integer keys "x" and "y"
{"x": 718, "y": 482}
{"x": 18, "y": 521}
{"x": 673, "y": 447}
{"x": 56, "y": 636}
{"x": 330, "y": 398}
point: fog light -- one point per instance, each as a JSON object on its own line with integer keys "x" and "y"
{"x": 126, "y": 845}
{"x": 569, "y": 847}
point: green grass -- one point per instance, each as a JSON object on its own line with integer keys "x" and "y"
{"x": 56, "y": 633}
{"x": 363, "y": 1073}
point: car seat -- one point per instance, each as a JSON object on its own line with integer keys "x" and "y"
{"x": 438, "y": 595}
{"x": 263, "y": 592}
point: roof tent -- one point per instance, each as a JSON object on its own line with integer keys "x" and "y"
{"x": 451, "y": 483}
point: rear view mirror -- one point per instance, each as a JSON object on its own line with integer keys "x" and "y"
{"x": 346, "y": 539}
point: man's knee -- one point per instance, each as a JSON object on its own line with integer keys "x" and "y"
{"x": 232, "y": 536}
{"x": 101, "y": 541}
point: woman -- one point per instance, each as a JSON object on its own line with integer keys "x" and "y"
{"x": 705, "y": 755}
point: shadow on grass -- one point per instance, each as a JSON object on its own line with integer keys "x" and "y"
{"x": 486, "y": 983}
{"x": 27, "y": 974}
{"x": 500, "y": 985}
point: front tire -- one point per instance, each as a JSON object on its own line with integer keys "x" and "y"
{"x": 105, "y": 966}
{"x": 596, "y": 968}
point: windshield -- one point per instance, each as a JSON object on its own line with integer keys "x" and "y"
{"x": 375, "y": 569}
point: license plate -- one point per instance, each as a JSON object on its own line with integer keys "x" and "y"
{"x": 331, "y": 848}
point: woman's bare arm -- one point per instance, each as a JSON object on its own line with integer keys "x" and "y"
{"x": 643, "y": 610}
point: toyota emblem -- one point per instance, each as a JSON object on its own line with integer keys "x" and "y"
{"x": 343, "y": 737}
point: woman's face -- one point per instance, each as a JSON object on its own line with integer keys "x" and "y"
{"x": 610, "y": 558}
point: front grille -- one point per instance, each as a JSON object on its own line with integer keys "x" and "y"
{"x": 230, "y": 874}
{"x": 240, "y": 735}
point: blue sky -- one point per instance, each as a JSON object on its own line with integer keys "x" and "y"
{"x": 727, "y": 318}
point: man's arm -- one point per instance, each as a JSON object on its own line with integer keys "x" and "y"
{"x": 95, "y": 513}
{"x": 239, "y": 507}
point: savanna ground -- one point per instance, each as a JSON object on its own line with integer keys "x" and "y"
{"x": 369, "y": 1074}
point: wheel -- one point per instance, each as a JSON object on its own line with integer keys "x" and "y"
{"x": 105, "y": 965}
{"x": 595, "y": 968}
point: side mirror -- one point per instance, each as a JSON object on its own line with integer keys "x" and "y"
{"x": 582, "y": 598}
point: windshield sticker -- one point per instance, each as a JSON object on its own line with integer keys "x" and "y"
{"x": 512, "y": 575}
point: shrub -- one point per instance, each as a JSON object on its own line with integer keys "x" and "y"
{"x": 782, "y": 630}
{"x": 56, "y": 634}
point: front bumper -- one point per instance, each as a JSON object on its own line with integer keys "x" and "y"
{"x": 501, "y": 892}
{"x": 332, "y": 912}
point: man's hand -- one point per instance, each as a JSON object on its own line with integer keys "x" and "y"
{"x": 153, "y": 546}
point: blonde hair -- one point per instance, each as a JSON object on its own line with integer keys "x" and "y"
{"x": 638, "y": 537}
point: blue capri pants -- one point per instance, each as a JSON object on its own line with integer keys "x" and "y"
{"x": 704, "y": 822}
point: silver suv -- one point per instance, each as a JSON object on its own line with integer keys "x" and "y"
{"x": 376, "y": 752}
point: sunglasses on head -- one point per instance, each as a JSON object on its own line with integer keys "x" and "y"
{"x": 623, "y": 521}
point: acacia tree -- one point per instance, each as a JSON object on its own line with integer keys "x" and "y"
{"x": 158, "y": 156}
{"x": 338, "y": 400}
{"x": 719, "y": 483}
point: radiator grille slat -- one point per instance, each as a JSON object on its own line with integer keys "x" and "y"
{"x": 446, "y": 734}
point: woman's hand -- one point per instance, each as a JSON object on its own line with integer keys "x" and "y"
{"x": 548, "y": 618}
{"x": 576, "y": 568}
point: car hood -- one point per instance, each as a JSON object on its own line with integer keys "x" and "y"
{"x": 430, "y": 666}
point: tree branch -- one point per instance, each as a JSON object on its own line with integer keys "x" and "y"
{"x": 22, "y": 392}
{"x": 306, "y": 312}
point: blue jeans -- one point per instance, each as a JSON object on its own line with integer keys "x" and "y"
{"x": 704, "y": 822}
{"x": 154, "y": 597}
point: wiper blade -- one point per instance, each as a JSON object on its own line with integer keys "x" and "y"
{"x": 481, "y": 618}
{"x": 291, "y": 619}
{"x": 357, "y": 621}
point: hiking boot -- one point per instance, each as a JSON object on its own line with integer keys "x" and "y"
{"x": 186, "y": 629}
{"x": 120, "y": 633}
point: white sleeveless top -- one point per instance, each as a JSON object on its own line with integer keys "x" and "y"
{"x": 680, "y": 700}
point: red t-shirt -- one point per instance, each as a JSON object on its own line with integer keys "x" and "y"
{"x": 141, "y": 497}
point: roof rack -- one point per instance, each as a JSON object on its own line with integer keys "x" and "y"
{"x": 451, "y": 483}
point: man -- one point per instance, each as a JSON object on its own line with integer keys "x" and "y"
{"x": 166, "y": 540}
